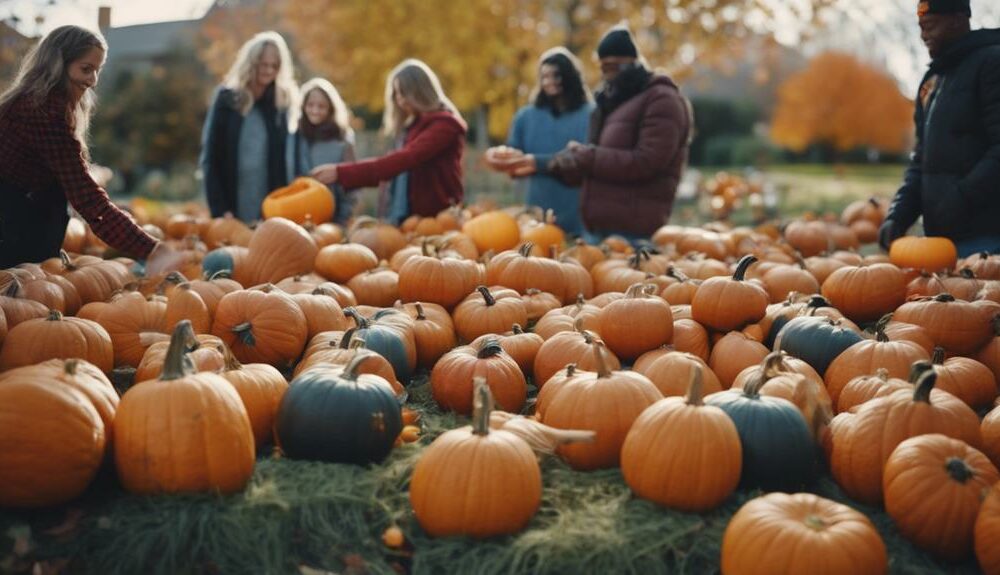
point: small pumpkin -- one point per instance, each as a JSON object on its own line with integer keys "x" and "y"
{"x": 378, "y": 287}
{"x": 494, "y": 230}
{"x": 933, "y": 487}
{"x": 301, "y": 200}
{"x": 452, "y": 377}
{"x": 778, "y": 448}
{"x": 725, "y": 304}
{"x": 520, "y": 345}
{"x": 569, "y": 347}
{"x": 986, "y": 530}
{"x": 671, "y": 373}
{"x": 966, "y": 379}
{"x": 805, "y": 391}
{"x": 433, "y": 331}
{"x": 489, "y": 311}
{"x": 262, "y": 325}
{"x": 866, "y": 293}
{"x": 801, "y": 533}
{"x": 637, "y": 323}
{"x": 279, "y": 248}
{"x": 444, "y": 281}
{"x": 36, "y": 340}
{"x": 341, "y": 262}
{"x": 930, "y": 253}
{"x": 204, "y": 351}
{"x": 476, "y": 481}
{"x": 339, "y": 416}
{"x": 606, "y": 402}
{"x": 959, "y": 327}
{"x": 816, "y": 340}
{"x": 662, "y": 460}
{"x": 732, "y": 354}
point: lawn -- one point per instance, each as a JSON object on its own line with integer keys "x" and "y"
{"x": 313, "y": 518}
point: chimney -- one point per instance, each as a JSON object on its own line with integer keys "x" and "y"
{"x": 104, "y": 18}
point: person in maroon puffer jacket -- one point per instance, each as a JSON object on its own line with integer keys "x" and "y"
{"x": 638, "y": 146}
{"x": 425, "y": 171}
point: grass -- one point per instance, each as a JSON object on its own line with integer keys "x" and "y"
{"x": 295, "y": 516}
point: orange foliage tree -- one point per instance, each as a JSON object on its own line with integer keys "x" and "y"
{"x": 842, "y": 102}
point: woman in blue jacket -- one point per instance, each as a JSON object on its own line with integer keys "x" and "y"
{"x": 559, "y": 113}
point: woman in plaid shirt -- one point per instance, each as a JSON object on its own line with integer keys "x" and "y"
{"x": 44, "y": 117}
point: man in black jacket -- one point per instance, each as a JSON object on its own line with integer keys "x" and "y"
{"x": 954, "y": 175}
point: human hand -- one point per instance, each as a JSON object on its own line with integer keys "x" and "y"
{"x": 163, "y": 260}
{"x": 888, "y": 233}
{"x": 525, "y": 166}
{"x": 574, "y": 145}
{"x": 326, "y": 173}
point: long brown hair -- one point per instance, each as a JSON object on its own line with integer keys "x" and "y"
{"x": 45, "y": 70}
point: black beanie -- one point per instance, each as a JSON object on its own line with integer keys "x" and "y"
{"x": 617, "y": 42}
{"x": 944, "y": 7}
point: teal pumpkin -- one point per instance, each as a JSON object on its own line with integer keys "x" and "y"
{"x": 778, "y": 450}
{"x": 807, "y": 308}
{"x": 217, "y": 260}
{"x": 338, "y": 415}
{"x": 390, "y": 341}
{"x": 815, "y": 340}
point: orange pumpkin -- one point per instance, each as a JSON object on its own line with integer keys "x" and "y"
{"x": 183, "y": 431}
{"x": 966, "y": 379}
{"x": 378, "y": 287}
{"x": 725, "y": 304}
{"x": 959, "y": 327}
{"x": 671, "y": 373}
{"x": 262, "y": 325}
{"x": 134, "y": 323}
{"x": 637, "y": 323}
{"x": 734, "y": 353}
{"x": 36, "y": 340}
{"x": 260, "y": 387}
{"x": 433, "y": 331}
{"x": 933, "y": 487}
{"x": 606, "y": 402}
{"x": 495, "y": 230}
{"x": 279, "y": 249}
{"x": 383, "y": 239}
{"x": 862, "y": 441}
{"x": 986, "y": 531}
{"x": 489, "y": 311}
{"x": 662, "y": 460}
{"x": 303, "y": 199}
{"x": 801, "y": 533}
{"x": 452, "y": 377}
{"x": 930, "y": 254}
{"x": 205, "y": 353}
{"x": 569, "y": 347}
{"x": 866, "y": 293}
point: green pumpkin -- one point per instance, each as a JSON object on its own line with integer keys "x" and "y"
{"x": 217, "y": 260}
{"x": 778, "y": 450}
{"x": 793, "y": 310}
{"x": 815, "y": 340}
{"x": 340, "y": 417}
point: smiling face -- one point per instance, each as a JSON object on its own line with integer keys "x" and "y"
{"x": 938, "y": 31}
{"x": 551, "y": 80}
{"x": 266, "y": 69}
{"x": 82, "y": 73}
{"x": 317, "y": 108}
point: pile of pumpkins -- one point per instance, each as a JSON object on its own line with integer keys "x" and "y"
{"x": 702, "y": 360}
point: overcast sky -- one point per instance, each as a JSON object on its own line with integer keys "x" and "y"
{"x": 882, "y": 31}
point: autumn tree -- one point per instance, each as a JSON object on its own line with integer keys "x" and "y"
{"x": 844, "y": 103}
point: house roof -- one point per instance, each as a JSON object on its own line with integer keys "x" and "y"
{"x": 146, "y": 41}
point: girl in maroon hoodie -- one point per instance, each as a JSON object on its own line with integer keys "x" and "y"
{"x": 424, "y": 172}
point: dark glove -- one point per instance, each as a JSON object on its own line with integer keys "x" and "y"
{"x": 887, "y": 233}
{"x": 564, "y": 167}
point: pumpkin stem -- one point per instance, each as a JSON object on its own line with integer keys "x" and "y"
{"x": 815, "y": 522}
{"x": 482, "y": 405}
{"x": 959, "y": 470}
{"x": 232, "y": 364}
{"x": 177, "y": 364}
{"x": 580, "y": 300}
{"x": 517, "y": 329}
{"x": 244, "y": 331}
{"x": 420, "y": 311}
{"x": 175, "y": 278}
{"x": 944, "y": 297}
{"x": 924, "y": 386}
{"x": 918, "y": 368}
{"x": 489, "y": 348}
{"x": 13, "y": 288}
{"x": 773, "y": 365}
{"x": 967, "y": 273}
{"x": 525, "y": 249}
{"x": 70, "y": 365}
{"x": 937, "y": 358}
{"x": 54, "y": 315}
{"x": 880, "y": 325}
{"x": 602, "y": 365}
{"x": 487, "y": 296}
{"x": 636, "y": 290}
{"x": 351, "y": 369}
{"x": 360, "y": 320}
{"x": 882, "y": 373}
{"x": 695, "y": 391}
{"x": 741, "y": 268}
{"x": 66, "y": 262}
{"x": 570, "y": 369}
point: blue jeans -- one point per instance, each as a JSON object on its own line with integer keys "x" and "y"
{"x": 972, "y": 246}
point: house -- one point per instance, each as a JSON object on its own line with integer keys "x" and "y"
{"x": 13, "y": 47}
{"x": 138, "y": 48}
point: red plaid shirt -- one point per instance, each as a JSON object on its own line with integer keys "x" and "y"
{"x": 39, "y": 153}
